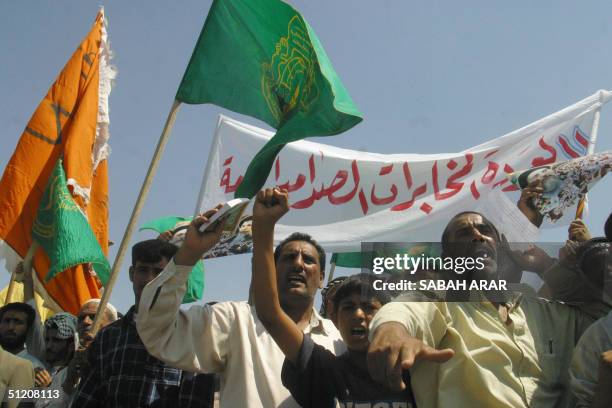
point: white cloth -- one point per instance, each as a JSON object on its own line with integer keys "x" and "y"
{"x": 226, "y": 338}
{"x": 36, "y": 363}
{"x": 585, "y": 361}
{"x": 35, "y": 340}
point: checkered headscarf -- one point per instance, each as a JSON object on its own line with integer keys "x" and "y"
{"x": 65, "y": 323}
{"x": 328, "y": 293}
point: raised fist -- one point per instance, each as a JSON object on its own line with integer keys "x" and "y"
{"x": 270, "y": 205}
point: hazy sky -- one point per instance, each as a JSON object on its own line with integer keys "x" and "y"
{"x": 429, "y": 76}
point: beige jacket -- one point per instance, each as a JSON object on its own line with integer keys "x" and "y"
{"x": 15, "y": 374}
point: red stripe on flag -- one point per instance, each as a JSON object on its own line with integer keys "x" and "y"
{"x": 311, "y": 168}
{"x": 581, "y": 139}
{"x": 407, "y": 174}
{"x": 567, "y": 148}
{"x": 385, "y": 170}
{"x": 474, "y": 190}
{"x": 426, "y": 208}
{"x": 277, "y": 169}
{"x": 363, "y": 202}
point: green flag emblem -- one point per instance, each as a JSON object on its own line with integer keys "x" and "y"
{"x": 63, "y": 231}
{"x": 262, "y": 59}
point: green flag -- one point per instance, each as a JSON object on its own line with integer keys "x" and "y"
{"x": 262, "y": 59}
{"x": 347, "y": 259}
{"x": 195, "y": 283}
{"x": 364, "y": 259}
{"x": 63, "y": 231}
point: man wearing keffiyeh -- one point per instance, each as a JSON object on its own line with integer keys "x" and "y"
{"x": 61, "y": 340}
{"x": 59, "y": 334}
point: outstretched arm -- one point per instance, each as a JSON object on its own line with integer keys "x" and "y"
{"x": 270, "y": 205}
{"x": 35, "y": 340}
{"x": 403, "y": 333}
{"x": 196, "y": 339}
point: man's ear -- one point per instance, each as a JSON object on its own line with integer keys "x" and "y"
{"x": 322, "y": 280}
{"x": 131, "y": 273}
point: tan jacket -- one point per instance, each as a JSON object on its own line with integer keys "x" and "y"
{"x": 16, "y": 374}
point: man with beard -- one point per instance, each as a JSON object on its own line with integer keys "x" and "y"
{"x": 61, "y": 339}
{"x": 510, "y": 350}
{"x": 16, "y": 320}
{"x": 228, "y": 338}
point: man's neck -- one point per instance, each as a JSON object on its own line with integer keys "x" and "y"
{"x": 14, "y": 350}
{"x": 300, "y": 314}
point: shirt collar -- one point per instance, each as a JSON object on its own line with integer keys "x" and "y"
{"x": 318, "y": 324}
{"x": 128, "y": 318}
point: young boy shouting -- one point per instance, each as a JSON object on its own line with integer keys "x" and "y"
{"x": 314, "y": 376}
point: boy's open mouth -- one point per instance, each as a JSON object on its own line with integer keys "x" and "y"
{"x": 359, "y": 331}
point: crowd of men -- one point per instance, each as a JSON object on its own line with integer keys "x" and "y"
{"x": 515, "y": 348}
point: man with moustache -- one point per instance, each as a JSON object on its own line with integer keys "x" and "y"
{"x": 16, "y": 321}
{"x": 228, "y": 338}
{"x": 86, "y": 317}
{"x": 509, "y": 350}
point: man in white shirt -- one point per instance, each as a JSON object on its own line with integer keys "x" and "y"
{"x": 228, "y": 338}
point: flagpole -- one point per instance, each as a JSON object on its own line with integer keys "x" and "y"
{"x": 332, "y": 268}
{"x": 127, "y": 235}
{"x": 11, "y": 287}
{"x": 207, "y": 169}
{"x": 27, "y": 268}
{"x": 591, "y": 149}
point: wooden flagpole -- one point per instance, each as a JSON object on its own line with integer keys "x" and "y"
{"x": 214, "y": 142}
{"x": 11, "y": 288}
{"x": 27, "y": 268}
{"x": 127, "y": 235}
{"x": 332, "y": 269}
{"x": 591, "y": 149}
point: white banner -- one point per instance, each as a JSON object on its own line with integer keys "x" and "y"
{"x": 343, "y": 197}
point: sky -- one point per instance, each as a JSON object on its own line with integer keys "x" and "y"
{"x": 429, "y": 77}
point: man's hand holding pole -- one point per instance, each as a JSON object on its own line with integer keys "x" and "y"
{"x": 197, "y": 243}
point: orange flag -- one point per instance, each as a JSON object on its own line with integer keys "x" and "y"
{"x": 71, "y": 121}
